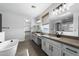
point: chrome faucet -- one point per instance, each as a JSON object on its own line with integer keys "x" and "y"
{"x": 59, "y": 34}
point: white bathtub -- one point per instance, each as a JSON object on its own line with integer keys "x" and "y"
{"x": 8, "y": 48}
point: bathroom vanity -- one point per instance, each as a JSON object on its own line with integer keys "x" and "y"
{"x": 63, "y": 46}
{"x": 55, "y": 48}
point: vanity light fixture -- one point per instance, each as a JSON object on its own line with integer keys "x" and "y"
{"x": 56, "y": 10}
{"x": 62, "y": 8}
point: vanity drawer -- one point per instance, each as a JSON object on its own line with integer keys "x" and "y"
{"x": 71, "y": 50}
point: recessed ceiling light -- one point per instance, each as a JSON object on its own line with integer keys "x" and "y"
{"x": 33, "y": 6}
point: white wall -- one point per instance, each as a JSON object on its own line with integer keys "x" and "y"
{"x": 15, "y": 23}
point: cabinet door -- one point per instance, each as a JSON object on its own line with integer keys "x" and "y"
{"x": 48, "y": 48}
{"x": 52, "y": 50}
{"x": 55, "y": 51}
{"x": 44, "y": 45}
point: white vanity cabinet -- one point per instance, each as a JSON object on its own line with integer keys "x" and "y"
{"x": 55, "y": 48}
{"x": 46, "y": 47}
{"x": 36, "y": 39}
{"x": 52, "y": 49}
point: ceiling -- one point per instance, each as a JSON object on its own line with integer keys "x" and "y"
{"x": 25, "y": 8}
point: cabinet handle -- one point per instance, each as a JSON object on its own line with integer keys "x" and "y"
{"x": 71, "y": 50}
{"x": 50, "y": 48}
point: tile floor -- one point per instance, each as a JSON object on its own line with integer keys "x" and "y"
{"x": 29, "y": 48}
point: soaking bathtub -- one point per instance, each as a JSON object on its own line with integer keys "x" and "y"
{"x": 9, "y": 47}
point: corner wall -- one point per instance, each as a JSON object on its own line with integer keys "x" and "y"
{"x": 14, "y": 24}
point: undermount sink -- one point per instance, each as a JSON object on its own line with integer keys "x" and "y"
{"x": 55, "y": 38}
{"x": 51, "y": 37}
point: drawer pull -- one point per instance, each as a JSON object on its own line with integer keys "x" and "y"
{"x": 71, "y": 50}
{"x": 52, "y": 48}
{"x": 49, "y": 47}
